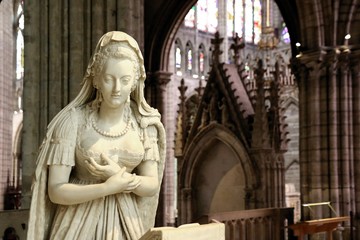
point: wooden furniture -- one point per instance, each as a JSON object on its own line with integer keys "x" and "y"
{"x": 327, "y": 225}
{"x": 194, "y": 231}
{"x": 262, "y": 223}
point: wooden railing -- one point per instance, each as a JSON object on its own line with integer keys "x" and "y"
{"x": 257, "y": 224}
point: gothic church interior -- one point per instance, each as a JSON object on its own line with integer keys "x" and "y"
{"x": 260, "y": 99}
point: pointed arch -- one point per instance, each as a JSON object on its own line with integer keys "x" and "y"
{"x": 179, "y": 57}
{"x": 202, "y": 60}
{"x": 189, "y": 58}
{"x": 205, "y": 175}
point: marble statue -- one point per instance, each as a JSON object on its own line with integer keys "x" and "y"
{"x": 100, "y": 166}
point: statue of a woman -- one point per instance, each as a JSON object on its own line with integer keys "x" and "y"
{"x": 100, "y": 166}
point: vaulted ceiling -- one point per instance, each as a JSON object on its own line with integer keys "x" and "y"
{"x": 313, "y": 23}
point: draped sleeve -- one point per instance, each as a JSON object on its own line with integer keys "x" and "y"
{"x": 57, "y": 148}
{"x": 155, "y": 147}
{"x": 61, "y": 149}
{"x": 151, "y": 144}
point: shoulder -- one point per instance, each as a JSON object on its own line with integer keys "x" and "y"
{"x": 68, "y": 119}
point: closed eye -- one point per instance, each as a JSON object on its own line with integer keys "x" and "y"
{"x": 108, "y": 78}
{"x": 125, "y": 80}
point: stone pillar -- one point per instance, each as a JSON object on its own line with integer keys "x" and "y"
{"x": 167, "y": 195}
{"x": 346, "y": 135}
{"x": 313, "y": 128}
{"x": 222, "y": 29}
{"x": 59, "y": 39}
{"x": 7, "y": 96}
{"x": 330, "y": 130}
{"x": 355, "y": 75}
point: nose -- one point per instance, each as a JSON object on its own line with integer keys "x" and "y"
{"x": 117, "y": 85}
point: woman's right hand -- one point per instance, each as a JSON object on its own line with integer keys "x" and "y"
{"x": 102, "y": 171}
{"x": 121, "y": 182}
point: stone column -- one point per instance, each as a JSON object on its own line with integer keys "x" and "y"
{"x": 167, "y": 195}
{"x": 222, "y": 29}
{"x": 7, "y": 78}
{"x": 345, "y": 140}
{"x": 355, "y": 75}
{"x": 330, "y": 130}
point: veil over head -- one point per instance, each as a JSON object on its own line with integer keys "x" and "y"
{"x": 88, "y": 91}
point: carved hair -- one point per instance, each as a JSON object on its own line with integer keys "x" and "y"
{"x": 116, "y": 50}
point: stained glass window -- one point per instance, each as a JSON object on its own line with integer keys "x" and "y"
{"x": 249, "y": 21}
{"x": 230, "y": 17}
{"x": 190, "y": 18}
{"x": 178, "y": 58}
{"x": 239, "y": 17}
{"x": 201, "y": 60}
{"x": 257, "y": 21}
{"x": 189, "y": 57}
{"x": 20, "y": 44}
{"x": 206, "y": 16}
{"x": 19, "y": 60}
{"x": 253, "y": 21}
{"x": 285, "y": 34}
{"x": 202, "y": 15}
{"x": 212, "y": 16}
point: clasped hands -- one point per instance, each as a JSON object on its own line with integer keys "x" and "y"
{"x": 114, "y": 176}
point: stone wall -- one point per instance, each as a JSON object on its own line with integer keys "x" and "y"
{"x": 7, "y": 75}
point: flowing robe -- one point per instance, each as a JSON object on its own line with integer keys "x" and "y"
{"x": 114, "y": 217}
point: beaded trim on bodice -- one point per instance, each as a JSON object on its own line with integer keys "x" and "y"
{"x": 113, "y": 147}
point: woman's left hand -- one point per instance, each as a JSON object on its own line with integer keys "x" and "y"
{"x": 103, "y": 171}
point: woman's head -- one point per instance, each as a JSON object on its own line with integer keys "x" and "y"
{"x": 114, "y": 51}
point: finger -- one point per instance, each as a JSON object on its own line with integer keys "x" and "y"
{"x": 133, "y": 185}
{"x": 91, "y": 166}
{"x": 121, "y": 171}
{"x": 108, "y": 161}
{"x": 137, "y": 182}
{"x": 92, "y": 169}
{"x": 105, "y": 158}
{"x": 95, "y": 164}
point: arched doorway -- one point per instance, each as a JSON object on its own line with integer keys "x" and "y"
{"x": 215, "y": 174}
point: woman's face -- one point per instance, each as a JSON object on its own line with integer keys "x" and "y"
{"x": 116, "y": 81}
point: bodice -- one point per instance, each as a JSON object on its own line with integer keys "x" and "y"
{"x": 127, "y": 150}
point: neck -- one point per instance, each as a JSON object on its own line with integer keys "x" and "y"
{"x": 111, "y": 115}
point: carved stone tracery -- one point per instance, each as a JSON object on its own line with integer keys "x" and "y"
{"x": 258, "y": 127}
